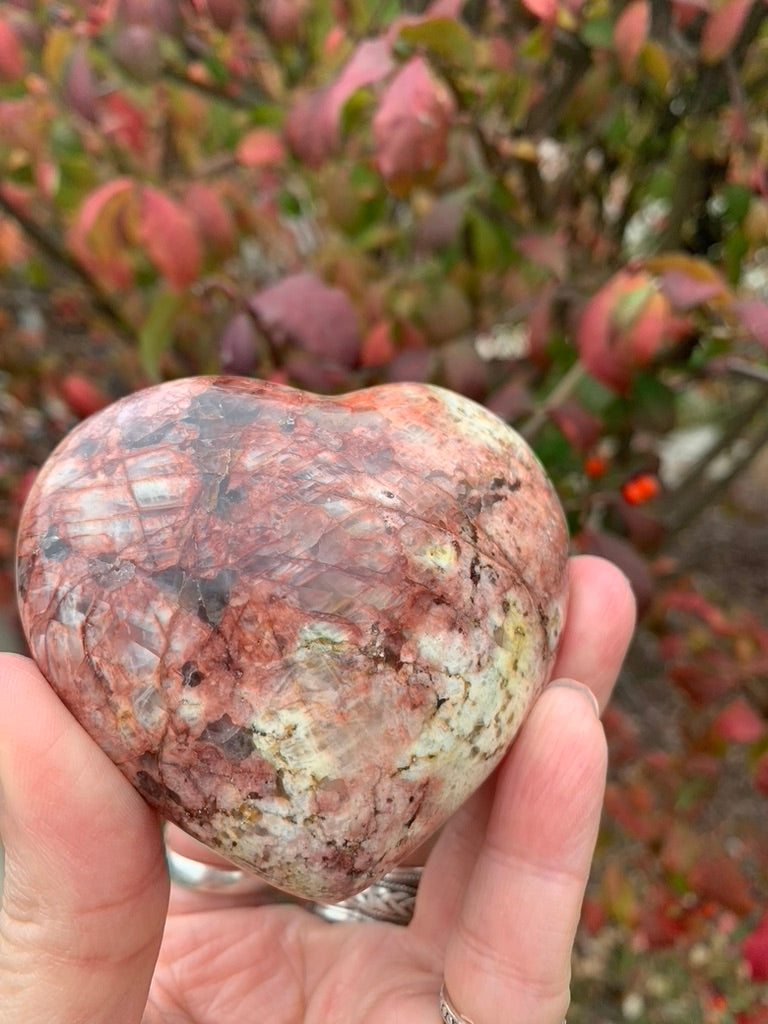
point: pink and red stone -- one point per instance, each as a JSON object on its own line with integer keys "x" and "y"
{"x": 306, "y": 629}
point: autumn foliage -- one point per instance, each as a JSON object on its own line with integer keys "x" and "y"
{"x": 556, "y": 207}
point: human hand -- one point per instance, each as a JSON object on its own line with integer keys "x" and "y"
{"x": 86, "y": 934}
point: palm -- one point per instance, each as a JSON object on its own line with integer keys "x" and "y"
{"x": 86, "y": 889}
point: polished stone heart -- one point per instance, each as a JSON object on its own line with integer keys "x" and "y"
{"x": 306, "y": 629}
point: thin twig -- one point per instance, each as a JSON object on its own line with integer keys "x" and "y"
{"x": 49, "y": 245}
{"x": 559, "y": 393}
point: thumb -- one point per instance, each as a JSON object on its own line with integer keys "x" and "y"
{"x": 85, "y": 889}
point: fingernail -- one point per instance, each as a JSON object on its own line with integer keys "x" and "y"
{"x": 571, "y": 684}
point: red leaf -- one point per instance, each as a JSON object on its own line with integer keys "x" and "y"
{"x": 623, "y": 327}
{"x": 11, "y": 55}
{"x": 303, "y": 312}
{"x": 760, "y": 777}
{"x": 168, "y": 236}
{"x": 738, "y": 722}
{"x": 629, "y": 35}
{"x": 378, "y": 348}
{"x": 212, "y": 218}
{"x": 260, "y": 148}
{"x": 411, "y": 126}
{"x": 722, "y": 28}
{"x": 98, "y": 235}
{"x": 312, "y": 127}
{"x": 754, "y": 316}
{"x": 81, "y": 395}
{"x": 124, "y": 123}
{"x": 715, "y": 876}
{"x": 754, "y": 949}
{"x": 544, "y": 9}
{"x": 581, "y": 428}
{"x": 701, "y": 685}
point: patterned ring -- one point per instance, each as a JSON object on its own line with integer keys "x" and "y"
{"x": 199, "y": 877}
{"x": 448, "y": 1012}
{"x": 390, "y": 900}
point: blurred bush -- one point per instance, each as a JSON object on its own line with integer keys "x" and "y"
{"x": 556, "y": 207}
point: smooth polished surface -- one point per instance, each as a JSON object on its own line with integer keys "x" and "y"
{"x": 305, "y": 628}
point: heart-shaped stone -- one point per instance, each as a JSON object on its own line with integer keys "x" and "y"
{"x": 305, "y": 628}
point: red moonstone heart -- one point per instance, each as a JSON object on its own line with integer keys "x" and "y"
{"x": 305, "y": 628}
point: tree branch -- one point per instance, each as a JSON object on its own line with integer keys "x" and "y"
{"x": 49, "y": 245}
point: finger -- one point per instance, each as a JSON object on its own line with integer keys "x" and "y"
{"x": 601, "y": 617}
{"x": 85, "y": 887}
{"x": 599, "y": 625}
{"x": 508, "y": 958}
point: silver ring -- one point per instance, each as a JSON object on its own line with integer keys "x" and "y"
{"x": 200, "y": 877}
{"x": 448, "y": 1012}
{"x": 390, "y": 900}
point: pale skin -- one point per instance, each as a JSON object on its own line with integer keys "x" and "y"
{"x": 87, "y": 934}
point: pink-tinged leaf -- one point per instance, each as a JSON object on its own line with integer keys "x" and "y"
{"x": 238, "y": 345}
{"x": 629, "y": 35}
{"x": 754, "y": 949}
{"x": 411, "y": 127}
{"x": 312, "y": 127}
{"x": 371, "y": 62}
{"x": 580, "y": 428}
{"x": 309, "y": 129}
{"x": 753, "y": 315}
{"x": 11, "y": 55}
{"x": 549, "y": 251}
{"x": 214, "y": 222}
{"x": 260, "y": 148}
{"x": 302, "y": 312}
{"x": 79, "y": 85}
{"x": 136, "y": 48}
{"x": 686, "y": 292}
{"x": 98, "y": 236}
{"x": 123, "y": 123}
{"x": 284, "y": 20}
{"x": 722, "y": 28}
{"x": 167, "y": 234}
{"x": 738, "y": 722}
{"x": 544, "y": 9}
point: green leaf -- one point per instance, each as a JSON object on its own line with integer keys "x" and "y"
{"x": 736, "y": 199}
{"x": 156, "y": 332}
{"x": 630, "y": 306}
{"x": 444, "y": 38}
{"x": 598, "y": 33}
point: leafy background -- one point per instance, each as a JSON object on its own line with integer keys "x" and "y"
{"x": 556, "y": 207}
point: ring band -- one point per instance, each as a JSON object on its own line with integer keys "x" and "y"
{"x": 390, "y": 900}
{"x": 448, "y": 1012}
{"x": 200, "y": 877}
